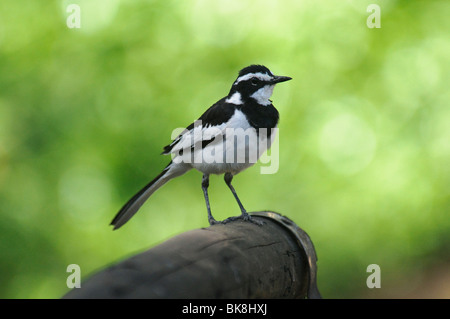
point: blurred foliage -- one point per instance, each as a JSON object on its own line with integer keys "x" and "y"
{"x": 364, "y": 131}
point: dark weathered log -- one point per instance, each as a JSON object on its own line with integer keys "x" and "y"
{"x": 235, "y": 260}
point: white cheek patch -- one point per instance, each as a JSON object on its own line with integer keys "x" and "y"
{"x": 263, "y": 94}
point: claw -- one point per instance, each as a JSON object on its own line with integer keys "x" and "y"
{"x": 245, "y": 217}
{"x": 212, "y": 221}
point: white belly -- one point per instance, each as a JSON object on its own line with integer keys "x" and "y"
{"x": 238, "y": 150}
{"x": 236, "y": 146}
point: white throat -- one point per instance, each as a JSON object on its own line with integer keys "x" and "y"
{"x": 263, "y": 94}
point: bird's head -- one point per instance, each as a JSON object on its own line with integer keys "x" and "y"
{"x": 254, "y": 82}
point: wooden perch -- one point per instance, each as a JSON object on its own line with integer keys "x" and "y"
{"x": 235, "y": 260}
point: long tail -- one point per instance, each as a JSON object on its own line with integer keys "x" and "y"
{"x": 132, "y": 206}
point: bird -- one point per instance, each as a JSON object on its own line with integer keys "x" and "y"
{"x": 227, "y": 138}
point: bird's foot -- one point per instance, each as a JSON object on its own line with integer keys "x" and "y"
{"x": 245, "y": 217}
{"x": 212, "y": 221}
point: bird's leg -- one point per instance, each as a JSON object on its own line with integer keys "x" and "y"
{"x": 205, "y": 184}
{"x": 244, "y": 215}
{"x": 228, "y": 178}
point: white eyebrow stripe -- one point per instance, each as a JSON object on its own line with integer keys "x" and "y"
{"x": 259, "y": 75}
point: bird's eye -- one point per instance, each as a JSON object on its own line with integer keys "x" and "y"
{"x": 254, "y": 81}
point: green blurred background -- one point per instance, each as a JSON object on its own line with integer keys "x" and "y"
{"x": 364, "y": 138}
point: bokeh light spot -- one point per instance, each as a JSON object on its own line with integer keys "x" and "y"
{"x": 347, "y": 144}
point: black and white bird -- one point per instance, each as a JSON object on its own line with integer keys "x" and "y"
{"x": 228, "y": 138}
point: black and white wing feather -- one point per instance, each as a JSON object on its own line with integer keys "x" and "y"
{"x": 203, "y": 131}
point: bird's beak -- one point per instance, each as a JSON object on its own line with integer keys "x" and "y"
{"x": 278, "y": 79}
